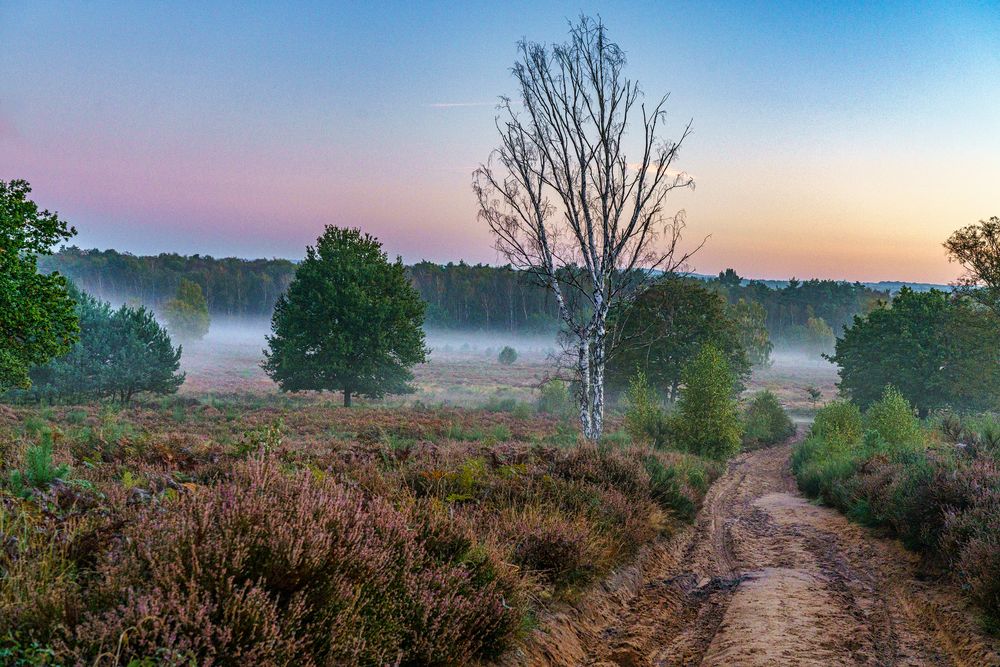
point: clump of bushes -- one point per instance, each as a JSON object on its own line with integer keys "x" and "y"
{"x": 508, "y": 355}
{"x": 838, "y": 422}
{"x": 893, "y": 419}
{"x": 276, "y": 568}
{"x": 765, "y": 421}
{"x": 882, "y": 468}
{"x": 266, "y": 546}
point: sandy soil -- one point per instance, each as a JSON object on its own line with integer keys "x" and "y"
{"x": 766, "y": 578}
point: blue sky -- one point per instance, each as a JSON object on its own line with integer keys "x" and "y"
{"x": 837, "y": 140}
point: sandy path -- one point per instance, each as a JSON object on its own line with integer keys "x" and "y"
{"x": 766, "y": 578}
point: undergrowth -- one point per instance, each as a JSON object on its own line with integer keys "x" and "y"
{"x": 933, "y": 486}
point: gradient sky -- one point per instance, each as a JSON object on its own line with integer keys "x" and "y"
{"x": 840, "y": 141}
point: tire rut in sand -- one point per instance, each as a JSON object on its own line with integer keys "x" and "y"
{"x": 766, "y": 578}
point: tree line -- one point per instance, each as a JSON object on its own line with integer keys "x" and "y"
{"x": 458, "y": 295}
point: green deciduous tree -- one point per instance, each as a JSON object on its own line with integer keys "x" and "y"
{"x": 350, "y": 321}
{"x": 120, "y": 353}
{"x": 818, "y": 336}
{"x": 665, "y": 329}
{"x": 187, "y": 313}
{"x": 37, "y": 321}
{"x": 977, "y": 248}
{"x": 707, "y": 421}
{"x": 938, "y": 350}
{"x": 751, "y": 323}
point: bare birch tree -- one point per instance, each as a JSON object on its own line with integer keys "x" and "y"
{"x": 565, "y": 203}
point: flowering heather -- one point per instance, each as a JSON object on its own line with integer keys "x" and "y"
{"x": 238, "y": 534}
{"x": 940, "y": 498}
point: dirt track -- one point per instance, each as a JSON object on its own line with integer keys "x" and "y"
{"x": 766, "y": 578}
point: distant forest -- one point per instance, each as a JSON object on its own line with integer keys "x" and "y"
{"x": 459, "y": 296}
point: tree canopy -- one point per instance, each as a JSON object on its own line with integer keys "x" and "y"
{"x": 350, "y": 321}
{"x": 707, "y": 421}
{"x": 665, "y": 329}
{"x": 120, "y": 353}
{"x": 187, "y": 313}
{"x": 37, "y": 320}
{"x": 977, "y": 248}
{"x": 937, "y": 350}
{"x": 458, "y": 295}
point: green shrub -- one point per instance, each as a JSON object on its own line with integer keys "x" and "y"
{"x": 765, "y": 421}
{"x": 939, "y": 500}
{"x": 892, "y": 418}
{"x": 261, "y": 439}
{"x": 645, "y": 419}
{"x": 554, "y": 399}
{"x": 707, "y": 422}
{"x": 508, "y": 356}
{"x": 39, "y": 469}
{"x": 839, "y": 421}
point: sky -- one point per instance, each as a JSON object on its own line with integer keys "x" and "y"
{"x": 834, "y": 140}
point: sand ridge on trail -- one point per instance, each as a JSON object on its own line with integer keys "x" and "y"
{"x": 766, "y": 578}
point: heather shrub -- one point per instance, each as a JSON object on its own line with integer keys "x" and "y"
{"x": 892, "y": 418}
{"x": 603, "y": 467}
{"x": 38, "y": 592}
{"x": 707, "y": 421}
{"x": 270, "y": 568}
{"x": 666, "y": 488}
{"x": 971, "y": 535}
{"x": 765, "y": 421}
{"x": 280, "y": 537}
{"x": 559, "y": 551}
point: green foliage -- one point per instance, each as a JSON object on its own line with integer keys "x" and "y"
{"x": 893, "y": 419}
{"x": 707, "y": 421}
{"x": 233, "y": 286}
{"x": 751, "y": 322}
{"x": 664, "y": 330}
{"x": 818, "y": 335}
{"x": 645, "y": 419}
{"x": 350, "y": 321}
{"x": 941, "y": 501}
{"x": 187, "y": 313}
{"x": 790, "y": 307}
{"x": 508, "y": 356}
{"x": 938, "y": 351}
{"x": 261, "y": 439}
{"x": 120, "y": 353}
{"x": 39, "y": 470}
{"x": 554, "y": 399}
{"x": 36, "y": 314}
{"x": 765, "y": 421}
{"x": 839, "y": 421}
{"x": 666, "y": 488}
{"x": 977, "y": 249}
{"x": 458, "y": 295}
